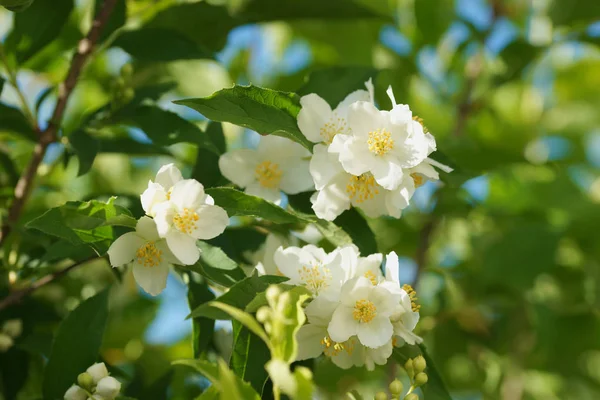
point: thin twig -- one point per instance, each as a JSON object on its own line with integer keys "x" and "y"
{"x": 18, "y": 295}
{"x": 50, "y": 134}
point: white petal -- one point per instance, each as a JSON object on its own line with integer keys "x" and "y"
{"x": 309, "y": 341}
{"x": 356, "y": 158}
{"x": 338, "y": 144}
{"x": 401, "y": 115}
{"x": 320, "y": 310}
{"x": 296, "y": 177}
{"x": 212, "y": 221}
{"x": 188, "y": 193}
{"x": 317, "y": 253}
{"x": 97, "y": 372}
{"x": 279, "y": 149}
{"x": 373, "y": 207}
{"x": 290, "y": 260}
{"x": 146, "y": 228}
{"x": 357, "y": 95}
{"x": 387, "y": 173}
{"x": 164, "y": 218}
{"x": 324, "y": 166}
{"x": 168, "y": 175}
{"x": 166, "y": 253}
{"x": 384, "y": 300}
{"x": 354, "y": 289}
{"x": 397, "y": 200}
{"x": 122, "y": 251}
{"x": 239, "y": 166}
{"x": 332, "y": 200}
{"x": 364, "y": 117}
{"x": 155, "y": 194}
{"x": 407, "y": 335}
{"x": 371, "y": 90}
{"x": 375, "y": 333}
{"x": 209, "y": 200}
{"x": 314, "y": 114}
{"x": 75, "y": 393}
{"x": 392, "y": 267}
{"x": 183, "y": 247}
{"x": 342, "y": 325}
{"x": 272, "y": 195}
{"x": 152, "y": 279}
{"x": 426, "y": 169}
{"x": 108, "y": 388}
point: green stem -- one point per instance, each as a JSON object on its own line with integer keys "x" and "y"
{"x": 12, "y": 79}
{"x": 276, "y": 392}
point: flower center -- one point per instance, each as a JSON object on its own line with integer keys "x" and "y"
{"x": 186, "y": 221}
{"x": 361, "y": 188}
{"x": 364, "y": 311}
{"x": 169, "y": 193}
{"x": 148, "y": 255}
{"x": 370, "y": 275}
{"x": 418, "y": 179}
{"x": 268, "y": 174}
{"x": 334, "y": 348}
{"x": 413, "y": 297}
{"x": 332, "y": 127}
{"x": 380, "y": 142}
{"x": 315, "y": 277}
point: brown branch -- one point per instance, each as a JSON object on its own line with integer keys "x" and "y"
{"x": 49, "y": 135}
{"x": 18, "y": 295}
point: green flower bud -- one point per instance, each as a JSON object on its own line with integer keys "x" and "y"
{"x": 381, "y": 396}
{"x": 126, "y": 71}
{"x": 421, "y": 379}
{"x": 412, "y": 396}
{"x": 396, "y": 387}
{"x": 272, "y": 294}
{"x": 263, "y": 314}
{"x": 419, "y": 364}
{"x": 128, "y": 95}
{"x": 408, "y": 366}
{"x": 16, "y": 5}
{"x": 86, "y": 381}
{"x": 118, "y": 84}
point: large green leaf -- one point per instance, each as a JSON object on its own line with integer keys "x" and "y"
{"x": 86, "y": 147}
{"x": 117, "y": 18}
{"x": 12, "y": 120}
{"x": 249, "y": 356}
{"x": 39, "y": 25}
{"x": 433, "y": 18}
{"x": 335, "y": 83}
{"x": 357, "y": 228}
{"x": 238, "y": 203}
{"x": 206, "y": 170}
{"x": 223, "y": 277}
{"x": 265, "y": 111}
{"x": 76, "y": 345}
{"x": 238, "y": 296}
{"x": 202, "y": 328}
{"x": 158, "y": 44}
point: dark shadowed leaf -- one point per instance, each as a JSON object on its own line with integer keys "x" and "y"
{"x": 202, "y": 328}
{"x": 335, "y": 83}
{"x": 249, "y": 356}
{"x": 158, "y": 44}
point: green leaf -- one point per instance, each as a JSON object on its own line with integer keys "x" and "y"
{"x": 284, "y": 343}
{"x": 16, "y": 5}
{"x": 239, "y": 203}
{"x": 357, "y": 228}
{"x": 223, "y": 277}
{"x": 211, "y": 393}
{"x": 249, "y": 356}
{"x": 86, "y": 147}
{"x": 244, "y": 318}
{"x": 76, "y": 345}
{"x": 83, "y": 222}
{"x": 164, "y": 127}
{"x": 117, "y": 18}
{"x": 261, "y": 298}
{"x": 335, "y": 83}
{"x": 574, "y": 12}
{"x": 37, "y": 27}
{"x": 433, "y": 18}
{"x": 2, "y": 81}
{"x": 131, "y": 147}
{"x": 12, "y": 120}
{"x": 215, "y": 257}
{"x": 14, "y": 376}
{"x": 158, "y": 44}
{"x": 238, "y": 296}
{"x": 202, "y": 328}
{"x": 434, "y": 389}
{"x": 265, "y": 111}
{"x": 206, "y": 169}
{"x": 210, "y": 371}
{"x": 517, "y": 56}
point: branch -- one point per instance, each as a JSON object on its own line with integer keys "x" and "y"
{"x": 18, "y": 295}
{"x": 49, "y": 135}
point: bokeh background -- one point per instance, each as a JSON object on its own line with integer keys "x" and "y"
{"x": 504, "y": 252}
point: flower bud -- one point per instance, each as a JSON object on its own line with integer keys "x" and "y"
{"x": 108, "y": 388}
{"x": 381, "y": 396}
{"x": 13, "y": 327}
{"x": 412, "y": 396}
{"x": 97, "y": 371}
{"x": 6, "y": 342}
{"x": 408, "y": 366}
{"x": 421, "y": 379}
{"x": 85, "y": 380}
{"x": 396, "y": 387}
{"x": 272, "y": 294}
{"x": 419, "y": 364}
{"x": 75, "y": 393}
{"x": 263, "y": 314}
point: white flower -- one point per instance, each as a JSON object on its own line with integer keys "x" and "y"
{"x": 13, "y": 327}
{"x": 338, "y": 190}
{"x": 364, "y": 311}
{"x": 6, "y": 342}
{"x": 159, "y": 191}
{"x": 278, "y": 164}
{"x": 319, "y": 123}
{"x": 75, "y": 393}
{"x": 98, "y": 372}
{"x": 370, "y": 357}
{"x": 381, "y": 143}
{"x": 189, "y": 215}
{"x": 310, "y": 266}
{"x": 148, "y": 254}
{"x": 355, "y": 266}
{"x": 264, "y": 257}
{"x": 108, "y": 388}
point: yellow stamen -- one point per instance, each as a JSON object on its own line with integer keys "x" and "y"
{"x": 268, "y": 174}
{"x": 370, "y": 275}
{"x": 362, "y": 188}
{"x": 420, "y": 120}
{"x": 148, "y": 255}
{"x": 334, "y": 348}
{"x": 315, "y": 277}
{"x": 364, "y": 311}
{"x": 334, "y": 126}
{"x": 186, "y": 221}
{"x": 169, "y": 194}
{"x": 413, "y": 297}
{"x": 380, "y": 142}
{"x": 418, "y": 179}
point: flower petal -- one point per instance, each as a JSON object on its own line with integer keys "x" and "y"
{"x": 324, "y": 166}
{"x": 108, "y": 388}
{"x": 152, "y": 279}
{"x": 75, "y": 393}
{"x": 387, "y": 173}
{"x": 279, "y": 149}
{"x": 239, "y": 166}
{"x": 183, "y": 247}
{"x": 164, "y": 218}
{"x": 188, "y": 193}
{"x": 296, "y": 177}
{"x": 122, "y": 251}
{"x": 272, "y": 195}
{"x": 342, "y": 325}
{"x": 375, "y": 333}
{"x": 153, "y": 195}
{"x": 364, "y": 117}
{"x": 358, "y": 95}
{"x": 146, "y": 228}
{"x": 392, "y": 268}
{"x": 320, "y": 310}
{"x": 168, "y": 175}
{"x": 309, "y": 341}
{"x": 290, "y": 260}
{"x": 330, "y": 202}
{"x": 315, "y": 112}
{"x": 97, "y": 371}
{"x": 212, "y": 221}
{"x": 356, "y": 159}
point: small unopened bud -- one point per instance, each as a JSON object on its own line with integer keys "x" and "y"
{"x": 412, "y": 396}
{"x": 284, "y": 301}
{"x": 263, "y": 314}
{"x": 408, "y": 366}
{"x": 381, "y": 396}
{"x": 419, "y": 364}
{"x": 97, "y": 371}
{"x": 126, "y": 71}
{"x": 108, "y": 388}
{"x": 396, "y": 387}
{"x": 85, "y": 380}
{"x": 13, "y": 327}
{"x": 272, "y": 294}
{"x": 6, "y": 342}
{"x": 421, "y": 379}
{"x": 75, "y": 393}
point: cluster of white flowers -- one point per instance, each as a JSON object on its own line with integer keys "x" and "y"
{"x": 178, "y": 214}
{"x": 357, "y": 314}
{"x": 11, "y": 329}
{"x": 94, "y": 384}
{"x": 363, "y": 157}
